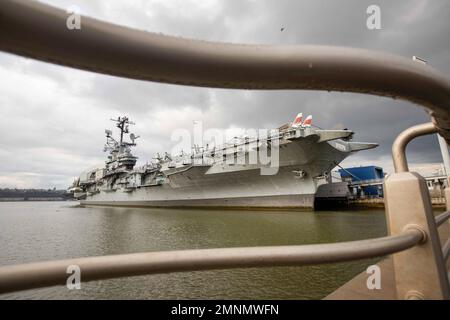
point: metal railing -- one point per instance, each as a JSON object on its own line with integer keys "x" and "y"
{"x": 440, "y": 219}
{"x": 399, "y": 146}
{"x": 41, "y": 274}
{"x": 38, "y": 31}
{"x": 446, "y": 250}
{"x": 408, "y": 203}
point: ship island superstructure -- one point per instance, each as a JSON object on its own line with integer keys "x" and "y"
{"x": 221, "y": 176}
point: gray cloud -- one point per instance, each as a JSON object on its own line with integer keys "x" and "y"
{"x": 54, "y": 117}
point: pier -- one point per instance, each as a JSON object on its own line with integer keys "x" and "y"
{"x": 356, "y": 288}
{"x": 369, "y": 193}
{"x": 418, "y": 249}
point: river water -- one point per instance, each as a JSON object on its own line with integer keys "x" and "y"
{"x": 36, "y": 231}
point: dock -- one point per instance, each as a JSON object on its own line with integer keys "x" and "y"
{"x": 437, "y": 203}
{"x": 356, "y": 288}
{"x": 342, "y": 194}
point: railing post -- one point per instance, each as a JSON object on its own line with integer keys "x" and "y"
{"x": 420, "y": 272}
{"x": 447, "y": 197}
{"x": 444, "y": 230}
{"x": 446, "y": 160}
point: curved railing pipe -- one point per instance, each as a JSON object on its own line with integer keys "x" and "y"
{"x": 400, "y": 143}
{"x": 50, "y": 273}
{"x": 39, "y": 31}
{"x": 441, "y": 218}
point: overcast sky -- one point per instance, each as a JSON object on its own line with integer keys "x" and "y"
{"x": 53, "y": 118}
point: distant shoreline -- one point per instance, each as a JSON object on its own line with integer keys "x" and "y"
{"x": 19, "y": 195}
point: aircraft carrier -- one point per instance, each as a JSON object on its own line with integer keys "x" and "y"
{"x": 234, "y": 175}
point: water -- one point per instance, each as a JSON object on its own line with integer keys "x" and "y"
{"x": 34, "y": 231}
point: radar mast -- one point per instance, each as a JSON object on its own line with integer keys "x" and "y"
{"x": 120, "y": 151}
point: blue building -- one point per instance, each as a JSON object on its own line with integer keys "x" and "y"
{"x": 360, "y": 174}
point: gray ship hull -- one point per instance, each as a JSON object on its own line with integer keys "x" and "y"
{"x": 195, "y": 188}
{"x": 304, "y": 201}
